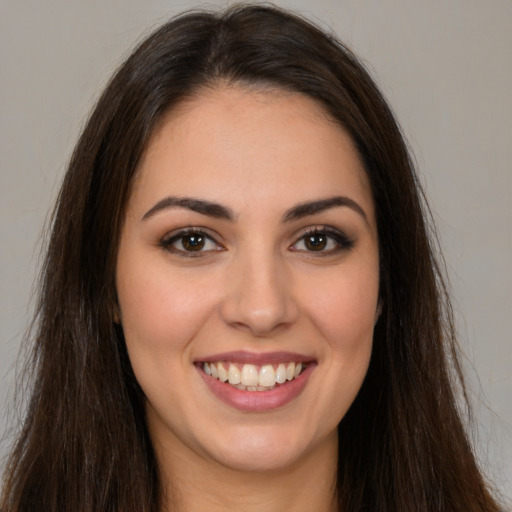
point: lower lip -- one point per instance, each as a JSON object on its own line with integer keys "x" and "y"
{"x": 258, "y": 401}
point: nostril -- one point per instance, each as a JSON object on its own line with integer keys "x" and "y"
{"x": 258, "y": 296}
{"x": 258, "y": 320}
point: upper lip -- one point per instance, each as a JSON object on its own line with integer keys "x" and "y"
{"x": 258, "y": 359}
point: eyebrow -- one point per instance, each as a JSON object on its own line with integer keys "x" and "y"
{"x": 218, "y": 211}
{"x": 197, "y": 205}
{"x": 313, "y": 207}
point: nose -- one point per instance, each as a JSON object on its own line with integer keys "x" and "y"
{"x": 259, "y": 296}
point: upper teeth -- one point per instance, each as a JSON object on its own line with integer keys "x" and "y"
{"x": 249, "y": 376}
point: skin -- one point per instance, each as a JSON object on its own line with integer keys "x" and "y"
{"x": 255, "y": 286}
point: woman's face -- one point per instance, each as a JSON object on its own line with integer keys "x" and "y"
{"x": 247, "y": 279}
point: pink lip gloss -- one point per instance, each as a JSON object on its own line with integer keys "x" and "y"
{"x": 258, "y": 401}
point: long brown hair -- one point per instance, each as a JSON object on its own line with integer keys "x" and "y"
{"x": 84, "y": 446}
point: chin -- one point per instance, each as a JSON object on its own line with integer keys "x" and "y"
{"x": 262, "y": 449}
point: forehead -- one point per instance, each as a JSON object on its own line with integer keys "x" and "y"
{"x": 238, "y": 145}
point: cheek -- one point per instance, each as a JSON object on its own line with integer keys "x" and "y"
{"x": 161, "y": 311}
{"x": 344, "y": 307}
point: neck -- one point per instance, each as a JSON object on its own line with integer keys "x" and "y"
{"x": 192, "y": 484}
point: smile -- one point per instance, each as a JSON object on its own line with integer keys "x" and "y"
{"x": 252, "y": 382}
{"x": 251, "y": 377}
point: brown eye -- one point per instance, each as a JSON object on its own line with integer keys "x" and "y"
{"x": 323, "y": 241}
{"x": 193, "y": 242}
{"x": 315, "y": 242}
{"x": 190, "y": 243}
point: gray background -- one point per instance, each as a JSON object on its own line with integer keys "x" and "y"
{"x": 445, "y": 66}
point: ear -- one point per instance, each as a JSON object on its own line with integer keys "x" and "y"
{"x": 116, "y": 313}
{"x": 378, "y": 311}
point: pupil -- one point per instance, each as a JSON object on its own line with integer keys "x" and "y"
{"x": 316, "y": 242}
{"x": 193, "y": 242}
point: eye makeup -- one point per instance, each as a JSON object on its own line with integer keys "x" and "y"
{"x": 193, "y": 242}
{"x": 322, "y": 241}
{"x": 190, "y": 242}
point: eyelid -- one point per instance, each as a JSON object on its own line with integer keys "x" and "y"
{"x": 167, "y": 241}
{"x": 343, "y": 241}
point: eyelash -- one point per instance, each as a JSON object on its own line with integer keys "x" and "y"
{"x": 167, "y": 242}
{"x": 342, "y": 242}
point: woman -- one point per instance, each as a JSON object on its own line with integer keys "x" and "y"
{"x": 240, "y": 305}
